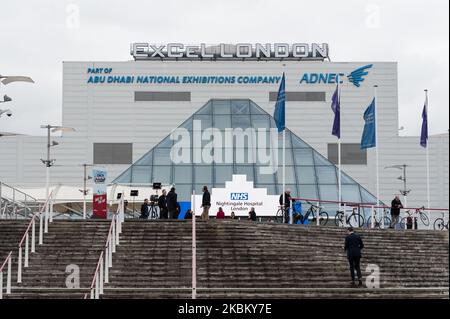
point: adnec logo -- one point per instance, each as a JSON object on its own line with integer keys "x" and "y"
{"x": 239, "y": 196}
{"x": 355, "y": 77}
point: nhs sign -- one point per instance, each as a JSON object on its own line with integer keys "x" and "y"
{"x": 239, "y": 196}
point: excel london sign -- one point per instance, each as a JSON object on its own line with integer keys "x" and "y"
{"x": 149, "y": 51}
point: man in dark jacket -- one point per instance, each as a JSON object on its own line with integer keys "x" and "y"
{"x": 396, "y": 204}
{"x": 144, "y": 210}
{"x": 353, "y": 246}
{"x": 206, "y": 203}
{"x": 162, "y": 204}
{"x": 287, "y": 204}
{"x": 171, "y": 200}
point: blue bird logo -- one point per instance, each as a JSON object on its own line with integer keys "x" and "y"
{"x": 357, "y": 76}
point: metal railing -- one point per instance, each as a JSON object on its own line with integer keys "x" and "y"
{"x": 101, "y": 274}
{"x": 8, "y": 275}
{"x": 352, "y": 206}
{"x": 15, "y": 203}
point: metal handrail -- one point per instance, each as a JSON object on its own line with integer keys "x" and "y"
{"x": 8, "y": 275}
{"x": 19, "y": 191}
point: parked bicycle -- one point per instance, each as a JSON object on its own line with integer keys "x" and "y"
{"x": 355, "y": 219}
{"x": 310, "y": 215}
{"x": 412, "y": 217}
{"x": 377, "y": 221}
{"x": 440, "y": 224}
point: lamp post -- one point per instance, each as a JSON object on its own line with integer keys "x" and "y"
{"x": 5, "y": 79}
{"x": 49, "y": 162}
{"x": 402, "y": 178}
{"x": 84, "y": 190}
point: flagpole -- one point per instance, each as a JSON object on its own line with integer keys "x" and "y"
{"x": 339, "y": 154}
{"x": 375, "y": 91}
{"x": 427, "y": 154}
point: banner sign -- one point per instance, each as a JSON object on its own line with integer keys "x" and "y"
{"x": 99, "y": 204}
{"x": 239, "y": 196}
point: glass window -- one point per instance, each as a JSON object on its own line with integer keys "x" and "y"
{"x": 222, "y": 122}
{"x": 222, "y": 106}
{"x": 272, "y": 189}
{"x": 247, "y": 170}
{"x": 289, "y": 157}
{"x": 141, "y": 174}
{"x": 162, "y": 174}
{"x": 351, "y": 154}
{"x": 290, "y": 175}
{"x": 203, "y": 174}
{"x": 328, "y": 192}
{"x": 260, "y": 121}
{"x": 207, "y": 109}
{"x": 262, "y": 178}
{"x": 184, "y": 192}
{"x": 241, "y": 121}
{"x": 326, "y": 174}
{"x": 162, "y": 156}
{"x": 182, "y": 174}
{"x": 366, "y": 197}
{"x": 288, "y": 140}
{"x": 351, "y": 193}
{"x": 205, "y": 121}
{"x": 166, "y": 142}
{"x": 146, "y": 159}
{"x": 255, "y": 109}
{"x": 245, "y": 155}
{"x": 320, "y": 160}
{"x": 303, "y": 156}
{"x": 345, "y": 179}
{"x": 308, "y": 191}
{"x": 125, "y": 177}
{"x": 223, "y": 173}
{"x": 298, "y": 143}
{"x": 306, "y": 174}
{"x": 240, "y": 107}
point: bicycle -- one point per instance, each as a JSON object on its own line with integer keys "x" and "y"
{"x": 355, "y": 219}
{"x": 440, "y": 224}
{"x": 409, "y": 219}
{"x": 313, "y": 211}
{"x": 377, "y": 222}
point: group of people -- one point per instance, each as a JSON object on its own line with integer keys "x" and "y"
{"x": 168, "y": 205}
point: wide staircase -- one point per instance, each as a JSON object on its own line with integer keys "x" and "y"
{"x": 237, "y": 259}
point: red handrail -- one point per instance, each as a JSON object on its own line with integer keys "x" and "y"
{"x": 31, "y": 221}
{"x": 6, "y": 261}
{"x": 367, "y": 205}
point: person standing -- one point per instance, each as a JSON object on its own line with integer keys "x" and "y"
{"x": 144, "y": 210}
{"x": 233, "y": 215}
{"x": 287, "y": 204}
{"x": 206, "y": 203}
{"x": 353, "y": 246}
{"x": 171, "y": 200}
{"x": 252, "y": 214}
{"x": 396, "y": 204}
{"x": 162, "y": 204}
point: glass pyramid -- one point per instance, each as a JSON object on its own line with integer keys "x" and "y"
{"x": 308, "y": 173}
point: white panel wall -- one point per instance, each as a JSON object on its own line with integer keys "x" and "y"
{"x": 108, "y": 113}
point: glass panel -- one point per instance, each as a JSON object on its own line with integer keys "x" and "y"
{"x": 303, "y": 156}
{"x": 166, "y": 142}
{"x": 222, "y": 122}
{"x": 219, "y": 185}
{"x": 345, "y": 179}
{"x": 306, "y": 174}
{"x": 366, "y": 197}
{"x": 288, "y": 140}
{"x": 184, "y": 192}
{"x": 255, "y": 109}
{"x": 247, "y": 170}
{"x": 320, "y": 160}
{"x": 272, "y": 189}
{"x": 187, "y": 125}
{"x": 308, "y": 191}
{"x": 221, "y": 107}
{"x": 289, "y": 157}
{"x": 351, "y": 193}
{"x": 207, "y": 109}
{"x": 328, "y": 192}
{"x": 290, "y": 175}
{"x": 245, "y": 156}
{"x": 223, "y": 173}
{"x": 182, "y": 174}
{"x": 240, "y": 107}
{"x": 297, "y": 142}
{"x": 263, "y": 178}
{"x": 125, "y": 178}
{"x": 241, "y": 121}
{"x": 203, "y": 174}
{"x": 162, "y": 156}
{"x": 260, "y": 121}
{"x": 141, "y": 174}
{"x": 162, "y": 174}
{"x": 326, "y": 174}
{"x": 146, "y": 159}
{"x": 206, "y": 121}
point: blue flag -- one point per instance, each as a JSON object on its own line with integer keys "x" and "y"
{"x": 279, "y": 113}
{"x": 336, "y": 107}
{"x": 368, "y": 139}
{"x": 424, "y": 132}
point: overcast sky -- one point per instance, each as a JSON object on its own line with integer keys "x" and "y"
{"x": 36, "y": 36}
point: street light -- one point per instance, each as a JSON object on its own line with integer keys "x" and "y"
{"x": 402, "y": 178}
{"x": 85, "y": 190}
{"x": 50, "y": 162}
{"x": 5, "y": 79}
{"x": 7, "y": 112}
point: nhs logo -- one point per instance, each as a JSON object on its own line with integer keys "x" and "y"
{"x": 239, "y": 196}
